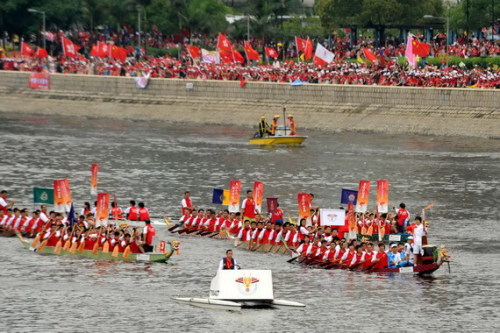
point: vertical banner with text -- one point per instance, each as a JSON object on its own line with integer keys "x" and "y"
{"x": 234, "y": 196}
{"x": 363, "y": 196}
{"x": 102, "y": 209}
{"x": 93, "y": 179}
{"x": 59, "y": 205}
{"x": 304, "y": 201}
{"x": 258, "y": 195}
{"x": 383, "y": 196}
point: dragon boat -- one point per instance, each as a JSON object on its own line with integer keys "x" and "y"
{"x": 7, "y": 233}
{"x": 99, "y": 255}
{"x": 431, "y": 260}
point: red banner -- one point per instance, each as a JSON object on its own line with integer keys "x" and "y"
{"x": 234, "y": 196}
{"x": 39, "y": 81}
{"x": 383, "y": 196}
{"x": 93, "y": 179}
{"x": 363, "y": 196}
{"x": 67, "y": 194}
{"x": 272, "y": 204}
{"x": 59, "y": 205}
{"x": 304, "y": 200}
{"x": 258, "y": 194}
{"x": 102, "y": 209}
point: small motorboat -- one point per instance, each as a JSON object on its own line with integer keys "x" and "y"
{"x": 237, "y": 289}
{"x": 278, "y": 140}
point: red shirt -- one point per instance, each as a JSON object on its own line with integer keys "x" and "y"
{"x": 143, "y": 214}
{"x": 249, "y": 208}
{"x": 402, "y": 216}
{"x": 133, "y": 213}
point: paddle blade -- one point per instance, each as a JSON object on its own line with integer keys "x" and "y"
{"x": 126, "y": 252}
{"x": 115, "y": 251}
{"x": 73, "y": 248}
{"x": 34, "y": 243}
{"x": 41, "y": 247}
{"x": 66, "y": 246}
{"x": 369, "y": 231}
{"x": 105, "y": 247}
{"x": 363, "y": 230}
{"x": 95, "y": 249}
{"x": 58, "y": 248}
{"x": 81, "y": 246}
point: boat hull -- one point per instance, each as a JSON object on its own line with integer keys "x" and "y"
{"x": 139, "y": 257}
{"x": 278, "y": 140}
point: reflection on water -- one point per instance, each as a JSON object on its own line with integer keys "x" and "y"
{"x": 156, "y": 162}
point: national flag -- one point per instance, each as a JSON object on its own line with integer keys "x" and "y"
{"x": 218, "y": 196}
{"x": 238, "y": 57}
{"x": 271, "y": 53}
{"x": 69, "y": 48}
{"x": 410, "y": 56}
{"x": 43, "y": 195}
{"x": 368, "y": 55}
{"x": 322, "y": 56}
{"x": 225, "y": 56}
{"x": 300, "y": 44}
{"x": 272, "y": 204}
{"x": 224, "y": 44}
{"x": 348, "y": 196}
{"x": 119, "y": 53}
{"x": 41, "y": 53}
{"x": 308, "y": 52}
{"x": 226, "y": 196}
{"x": 250, "y": 52}
{"x": 421, "y": 49}
{"x": 71, "y": 216}
{"x": 194, "y": 51}
{"x": 94, "y": 169}
{"x": 26, "y": 50}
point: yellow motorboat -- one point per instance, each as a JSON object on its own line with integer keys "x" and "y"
{"x": 278, "y": 140}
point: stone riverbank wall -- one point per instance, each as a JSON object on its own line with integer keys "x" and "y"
{"x": 390, "y": 110}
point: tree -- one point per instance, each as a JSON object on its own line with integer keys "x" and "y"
{"x": 472, "y": 15}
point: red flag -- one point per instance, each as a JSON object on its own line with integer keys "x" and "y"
{"x": 118, "y": 53}
{"x": 301, "y": 44}
{"x": 369, "y": 55}
{"x": 271, "y": 53}
{"x": 363, "y": 196}
{"x": 226, "y": 57}
{"x": 250, "y": 52}
{"x": 41, "y": 53}
{"x": 304, "y": 201}
{"x": 421, "y": 49}
{"x": 26, "y": 49}
{"x": 194, "y": 51}
{"x": 308, "y": 52}
{"x": 94, "y": 51}
{"x": 69, "y": 48}
{"x": 238, "y": 57}
{"x": 224, "y": 44}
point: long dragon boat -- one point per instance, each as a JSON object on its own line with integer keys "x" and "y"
{"x": 432, "y": 260}
{"x": 138, "y": 257}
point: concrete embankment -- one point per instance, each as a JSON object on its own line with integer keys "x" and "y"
{"x": 390, "y": 110}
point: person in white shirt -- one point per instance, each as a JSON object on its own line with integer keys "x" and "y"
{"x": 418, "y": 233}
{"x": 228, "y": 261}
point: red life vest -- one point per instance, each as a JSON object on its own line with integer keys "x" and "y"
{"x": 133, "y": 213}
{"x": 383, "y": 260}
{"x": 402, "y": 216}
{"x": 277, "y": 215}
{"x": 368, "y": 259}
{"x": 143, "y": 214}
{"x": 151, "y": 232}
{"x": 116, "y": 212}
{"x": 249, "y": 210}
{"x": 245, "y": 234}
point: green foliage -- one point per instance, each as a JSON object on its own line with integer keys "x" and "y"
{"x": 480, "y": 14}
{"x": 154, "y": 52}
{"x": 483, "y": 62}
{"x": 309, "y": 26}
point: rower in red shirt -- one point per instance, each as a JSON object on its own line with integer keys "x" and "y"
{"x": 116, "y": 212}
{"x": 4, "y": 205}
{"x": 143, "y": 212}
{"x": 380, "y": 260}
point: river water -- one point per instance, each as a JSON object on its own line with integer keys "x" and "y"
{"x": 156, "y": 162}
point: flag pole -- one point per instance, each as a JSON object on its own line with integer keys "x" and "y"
{"x": 284, "y": 121}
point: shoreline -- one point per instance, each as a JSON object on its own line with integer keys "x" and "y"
{"x": 330, "y": 108}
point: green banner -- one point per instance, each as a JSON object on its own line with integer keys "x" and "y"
{"x": 43, "y": 195}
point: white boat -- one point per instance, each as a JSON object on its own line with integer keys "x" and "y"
{"x": 236, "y": 289}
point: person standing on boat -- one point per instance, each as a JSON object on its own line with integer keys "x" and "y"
{"x": 403, "y": 217}
{"x": 291, "y": 125}
{"x": 274, "y": 124}
{"x": 418, "y": 233}
{"x": 187, "y": 204}
{"x": 228, "y": 261}
{"x": 248, "y": 208}
{"x": 263, "y": 127}
{"x": 148, "y": 233}
{"x": 143, "y": 212}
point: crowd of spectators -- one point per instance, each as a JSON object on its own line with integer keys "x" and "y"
{"x": 343, "y": 70}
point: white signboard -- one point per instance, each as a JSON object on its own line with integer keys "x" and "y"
{"x": 394, "y": 238}
{"x": 335, "y": 217}
{"x": 242, "y": 285}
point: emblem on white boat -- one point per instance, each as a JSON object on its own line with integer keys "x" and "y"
{"x": 249, "y": 283}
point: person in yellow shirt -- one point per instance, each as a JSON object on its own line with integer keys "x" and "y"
{"x": 291, "y": 125}
{"x": 274, "y": 124}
